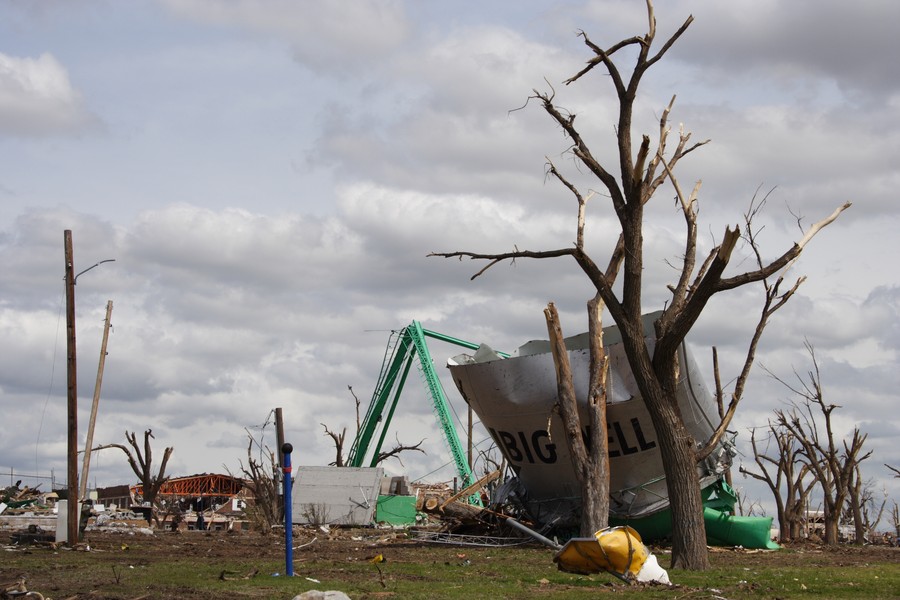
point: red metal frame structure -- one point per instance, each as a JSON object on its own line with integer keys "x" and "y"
{"x": 197, "y": 486}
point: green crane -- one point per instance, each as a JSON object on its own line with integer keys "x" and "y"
{"x": 403, "y": 347}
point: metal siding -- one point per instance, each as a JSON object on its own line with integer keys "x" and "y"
{"x": 336, "y": 495}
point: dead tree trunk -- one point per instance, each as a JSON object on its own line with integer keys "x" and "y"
{"x": 338, "y": 439}
{"x": 856, "y": 499}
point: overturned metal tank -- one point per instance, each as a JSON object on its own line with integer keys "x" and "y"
{"x": 514, "y": 398}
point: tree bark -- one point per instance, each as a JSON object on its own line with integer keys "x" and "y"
{"x": 856, "y": 509}
{"x": 591, "y": 470}
{"x": 677, "y": 451}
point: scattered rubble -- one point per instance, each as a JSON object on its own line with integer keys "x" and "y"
{"x": 33, "y": 535}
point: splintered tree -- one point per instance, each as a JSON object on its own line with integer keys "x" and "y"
{"x": 141, "y": 463}
{"x": 591, "y": 467}
{"x": 834, "y": 465}
{"x": 629, "y": 184}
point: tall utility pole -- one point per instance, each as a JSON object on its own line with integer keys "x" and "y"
{"x": 72, "y": 473}
{"x": 86, "y": 462}
{"x": 72, "y": 512}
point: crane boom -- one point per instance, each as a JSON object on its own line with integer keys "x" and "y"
{"x": 403, "y": 347}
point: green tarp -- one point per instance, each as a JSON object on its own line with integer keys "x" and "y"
{"x": 396, "y": 510}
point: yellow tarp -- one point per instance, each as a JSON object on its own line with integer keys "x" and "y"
{"x": 617, "y": 550}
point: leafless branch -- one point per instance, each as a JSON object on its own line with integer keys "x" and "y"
{"x": 396, "y": 450}
{"x": 498, "y": 258}
{"x": 582, "y": 203}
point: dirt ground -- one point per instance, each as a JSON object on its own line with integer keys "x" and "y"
{"x": 315, "y": 549}
{"x": 343, "y": 544}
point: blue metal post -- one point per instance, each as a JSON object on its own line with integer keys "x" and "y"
{"x": 286, "y": 450}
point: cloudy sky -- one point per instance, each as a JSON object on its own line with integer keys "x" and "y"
{"x": 269, "y": 176}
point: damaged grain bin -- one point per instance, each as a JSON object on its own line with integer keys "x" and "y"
{"x": 514, "y": 398}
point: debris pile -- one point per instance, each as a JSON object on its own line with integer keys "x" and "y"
{"x": 19, "y": 500}
{"x": 120, "y": 522}
{"x": 18, "y": 589}
{"x": 29, "y": 512}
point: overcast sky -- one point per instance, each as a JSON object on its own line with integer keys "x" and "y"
{"x": 269, "y": 176}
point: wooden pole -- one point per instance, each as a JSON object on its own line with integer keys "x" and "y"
{"x": 469, "y": 431}
{"x": 72, "y": 404}
{"x": 279, "y": 440}
{"x": 279, "y": 435}
{"x": 86, "y": 463}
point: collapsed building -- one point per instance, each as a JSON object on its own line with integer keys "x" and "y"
{"x": 207, "y": 500}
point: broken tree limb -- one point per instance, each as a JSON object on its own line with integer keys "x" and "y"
{"x": 468, "y": 491}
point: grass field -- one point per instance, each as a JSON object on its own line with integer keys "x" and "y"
{"x": 207, "y": 565}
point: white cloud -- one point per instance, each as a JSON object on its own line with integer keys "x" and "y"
{"x": 37, "y": 98}
{"x": 450, "y": 121}
{"x": 326, "y": 36}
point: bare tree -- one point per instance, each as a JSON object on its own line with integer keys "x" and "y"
{"x": 141, "y": 463}
{"x": 339, "y": 438}
{"x": 833, "y": 467}
{"x": 171, "y": 507}
{"x": 784, "y": 474}
{"x": 263, "y": 481}
{"x": 639, "y": 176}
{"x": 749, "y": 508}
{"x": 871, "y": 515}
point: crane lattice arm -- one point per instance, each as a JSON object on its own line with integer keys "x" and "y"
{"x": 403, "y": 347}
